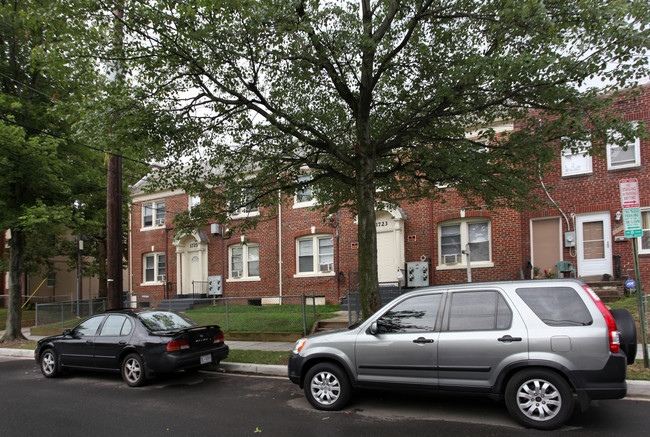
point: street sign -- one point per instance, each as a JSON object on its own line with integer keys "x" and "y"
{"x": 630, "y": 283}
{"x": 630, "y": 193}
{"x": 632, "y": 222}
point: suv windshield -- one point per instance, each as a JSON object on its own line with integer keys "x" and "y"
{"x": 556, "y": 306}
{"x": 165, "y": 321}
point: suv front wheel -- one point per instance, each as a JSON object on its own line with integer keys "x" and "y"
{"x": 539, "y": 398}
{"x": 327, "y": 387}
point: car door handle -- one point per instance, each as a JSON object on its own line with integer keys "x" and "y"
{"x": 89, "y": 341}
{"x": 422, "y": 340}
{"x": 122, "y": 341}
{"x": 509, "y": 338}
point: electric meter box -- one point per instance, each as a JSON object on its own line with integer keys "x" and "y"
{"x": 417, "y": 274}
{"x": 215, "y": 286}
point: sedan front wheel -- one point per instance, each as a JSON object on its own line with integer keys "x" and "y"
{"x": 133, "y": 371}
{"x": 49, "y": 364}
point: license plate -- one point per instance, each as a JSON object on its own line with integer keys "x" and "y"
{"x": 205, "y": 359}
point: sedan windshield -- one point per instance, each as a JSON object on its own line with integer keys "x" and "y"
{"x": 165, "y": 321}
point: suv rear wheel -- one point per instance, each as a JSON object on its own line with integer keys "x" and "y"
{"x": 327, "y": 387}
{"x": 539, "y": 398}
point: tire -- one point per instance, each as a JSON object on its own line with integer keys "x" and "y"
{"x": 133, "y": 372}
{"x": 49, "y": 364}
{"x": 539, "y": 398}
{"x": 327, "y": 387}
{"x": 627, "y": 327}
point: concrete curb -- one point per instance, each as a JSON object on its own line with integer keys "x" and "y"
{"x": 635, "y": 389}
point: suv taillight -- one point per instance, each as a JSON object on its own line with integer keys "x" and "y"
{"x": 614, "y": 334}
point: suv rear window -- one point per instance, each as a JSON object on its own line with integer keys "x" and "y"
{"x": 556, "y": 306}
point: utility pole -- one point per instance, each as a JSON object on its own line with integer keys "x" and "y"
{"x": 114, "y": 188}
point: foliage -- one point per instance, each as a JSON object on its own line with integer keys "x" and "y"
{"x": 378, "y": 101}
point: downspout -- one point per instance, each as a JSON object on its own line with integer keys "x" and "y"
{"x": 338, "y": 260}
{"x": 130, "y": 255}
{"x": 432, "y": 269}
{"x": 280, "y": 246}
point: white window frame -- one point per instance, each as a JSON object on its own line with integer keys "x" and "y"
{"x": 156, "y": 221}
{"x": 645, "y": 224}
{"x": 297, "y": 202}
{"x": 318, "y": 259}
{"x": 636, "y": 144}
{"x": 586, "y": 166}
{"x": 245, "y": 211}
{"x": 158, "y": 276}
{"x": 193, "y": 201}
{"x": 244, "y": 274}
{"x": 460, "y": 260}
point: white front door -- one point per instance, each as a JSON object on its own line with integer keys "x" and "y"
{"x": 390, "y": 246}
{"x": 594, "y": 244}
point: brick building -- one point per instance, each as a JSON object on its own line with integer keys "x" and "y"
{"x": 296, "y": 251}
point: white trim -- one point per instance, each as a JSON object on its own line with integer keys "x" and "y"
{"x": 464, "y": 237}
{"x": 637, "y": 155}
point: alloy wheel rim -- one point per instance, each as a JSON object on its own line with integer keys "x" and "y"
{"x": 539, "y": 400}
{"x": 325, "y": 388}
{"x": 132, "y": 370}
{"x": 48, "y": 363}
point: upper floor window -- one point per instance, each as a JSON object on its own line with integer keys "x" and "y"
{"x": 244, "y": 261}
{"x": 456, "y": 236}
{"x": 644, "y": 243}
{"x": 246, "y": 207}
{"x": 153, "y": 214}
{"x": 304, "y": 195}
{"x": 628, "y": 155}
{"x": 315, "y": 255}
{"x": 194, "y": 201}
{"x": 577, "y": 161}
{"x": 154, "y": 266}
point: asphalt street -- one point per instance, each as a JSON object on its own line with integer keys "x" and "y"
{"x": 224, "y": 404}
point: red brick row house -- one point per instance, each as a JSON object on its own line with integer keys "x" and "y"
{"x": 297, "y": 251}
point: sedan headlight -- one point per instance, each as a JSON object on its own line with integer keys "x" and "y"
{"x": 299, "y": 345}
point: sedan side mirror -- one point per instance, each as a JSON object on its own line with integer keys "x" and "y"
{"x": 67, "y": 332}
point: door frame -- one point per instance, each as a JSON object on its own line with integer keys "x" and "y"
{"x": 594, "y": 267}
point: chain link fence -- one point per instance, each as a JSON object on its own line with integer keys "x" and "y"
{"x": 257, "y": 314}
{"x": 60, "y": 312}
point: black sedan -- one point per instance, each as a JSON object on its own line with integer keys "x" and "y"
{"x": 137, "y": 343}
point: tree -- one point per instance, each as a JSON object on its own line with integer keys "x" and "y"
{"x": 376, "y": 97}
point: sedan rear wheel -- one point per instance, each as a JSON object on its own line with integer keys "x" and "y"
{"x": 49, "y": 364}
{"x": 327, "y": 387}
{"x": 133, "y": 371}
{"x": 539, "y": 398}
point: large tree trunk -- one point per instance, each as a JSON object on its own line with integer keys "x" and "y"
{"x": 101, "y": 262}
{"x": 367, "y": 235}
{"x": 14, "y": 312}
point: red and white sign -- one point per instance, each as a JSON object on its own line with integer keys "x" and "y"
{"x": 630, "y": 193}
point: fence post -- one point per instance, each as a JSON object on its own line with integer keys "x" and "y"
{"x": 36, "y": 315}
{"x": 313, "y": 304}
{"x": 227, "y": 316}
{"x": 304, "y": 315}
{"x": 62, "y": 317}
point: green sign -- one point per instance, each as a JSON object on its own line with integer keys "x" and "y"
{"x": 632, "y": 222}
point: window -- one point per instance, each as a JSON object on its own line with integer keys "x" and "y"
{"x": 51, "y": 280}
{"x": 478, "y": 311}
{"x": 577, "y": 161}
{"x": 90, "y": 326}
{"x": 455, "y": 236}
{"x": 244, "y": 261}
{"x": 153, "y": 214}
{"x": 154, "y": 268}
{"x": 644, "y": 243}
{"x": 194, "y": 201}
{"x": 116, "y": 325}
{"x": 625, "y": 156}
{"x": 246, "y": 207}
{"x": 557, "y": 306}
{"x": 304, "y": 195}
{"x": 315, "y": 255}
{"x": 417, "y": 314}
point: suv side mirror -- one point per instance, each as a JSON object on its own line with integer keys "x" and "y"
{"x": 374, "y": 328}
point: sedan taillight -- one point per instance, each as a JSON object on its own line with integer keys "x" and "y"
{"x": 177, "y": 345}
{"x": 218, "y": 338}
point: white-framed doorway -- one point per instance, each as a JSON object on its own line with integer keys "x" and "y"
{"x": 594, "y": 244}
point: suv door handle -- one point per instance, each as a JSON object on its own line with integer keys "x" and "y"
{"x": 422, "y": 340}
{"x": 509, "y": 338}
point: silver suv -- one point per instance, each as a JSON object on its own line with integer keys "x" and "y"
{"x": 531, "y": 343}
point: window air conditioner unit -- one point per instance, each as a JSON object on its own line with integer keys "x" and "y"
{"x": 160, "y": 221}
{"x": 161, "y": 278}
{"x": 451, "y": 259}
{"x": 236, "y": 273}
{"x": 326, "y": 267}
